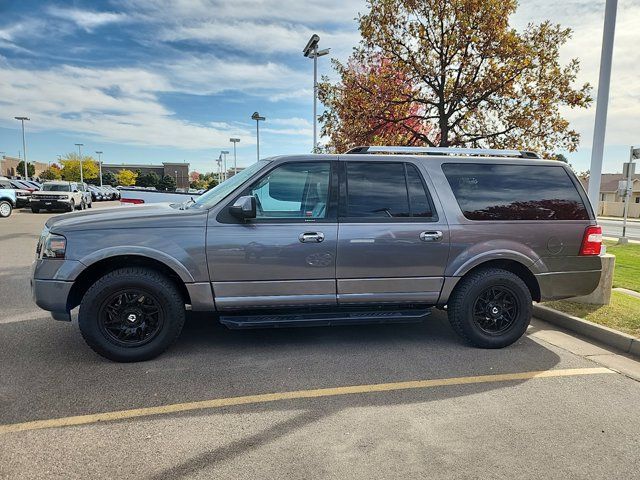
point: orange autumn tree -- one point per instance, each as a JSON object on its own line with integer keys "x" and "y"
{"x": 372, "y": 106}
{"x": 453, "y": 73}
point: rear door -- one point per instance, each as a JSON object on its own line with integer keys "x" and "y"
{"x": 393, "y": 239}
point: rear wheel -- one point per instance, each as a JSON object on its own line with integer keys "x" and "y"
{"x": 490, "y": 308}
{"x": 5, "y": 209}
{"x": 131, "y": 314}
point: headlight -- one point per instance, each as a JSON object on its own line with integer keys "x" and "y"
{"x": 54, "y": 246}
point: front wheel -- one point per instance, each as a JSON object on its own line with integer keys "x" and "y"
{"x": 131, "y": 314}
{"x": 490, "y": 308}
{"x": 72, "y": 206}
{"x": 5, "y": 209}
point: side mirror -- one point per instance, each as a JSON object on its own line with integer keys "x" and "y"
{"x": 244, "y": 208}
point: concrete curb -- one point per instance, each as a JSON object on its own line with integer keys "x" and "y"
{"x": 605, "y": 335}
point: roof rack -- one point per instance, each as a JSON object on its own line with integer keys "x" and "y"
{"x": 479, "y": 152}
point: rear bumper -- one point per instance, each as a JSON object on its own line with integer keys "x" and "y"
{"x": 558, "y": 285}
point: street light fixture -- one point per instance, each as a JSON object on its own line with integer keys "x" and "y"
{"x": 311, "y": 51}
{"x": 225, "y": 153}
{"x": 256, "y": 116}
{"x": 100, "y": 164}
{"x": 80, "y": 145}
{"x": 24, "y": 145}
{"x": 235, "y": 163}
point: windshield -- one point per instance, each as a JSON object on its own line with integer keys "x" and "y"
{"x": 217, "y": 193}
{"x": 56, "y": 188}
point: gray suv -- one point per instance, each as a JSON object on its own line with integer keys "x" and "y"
{"x": 379, "y": 234}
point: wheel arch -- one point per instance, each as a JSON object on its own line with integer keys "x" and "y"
{"x": 101, "y": 267}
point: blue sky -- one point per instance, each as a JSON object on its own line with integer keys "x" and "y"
{"x": 148, "y": 81}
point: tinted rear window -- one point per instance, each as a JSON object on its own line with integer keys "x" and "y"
{"x": 514, "y": 192}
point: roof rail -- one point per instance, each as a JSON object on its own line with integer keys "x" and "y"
{"x": 479, "y": 152}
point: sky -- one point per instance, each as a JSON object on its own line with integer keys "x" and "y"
{"x": 150, "y": 81}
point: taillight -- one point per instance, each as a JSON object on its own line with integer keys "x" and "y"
{"x": 592, "y": 241}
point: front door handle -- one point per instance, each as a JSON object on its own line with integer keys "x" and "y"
{"x": 431, "y": 236}
{"x": 311, "y": 237}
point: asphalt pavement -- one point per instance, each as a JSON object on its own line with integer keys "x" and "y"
{"x": 395, "y": 401}
{"x": 613, "y": 228}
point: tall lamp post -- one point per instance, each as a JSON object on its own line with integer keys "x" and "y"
{"x": 100, "y": 164}
{"x": 235, "y": 160}
{"x": 256, "y": 116}
{"x": 219, "y": 162}
{"x": 311, "y": 51}
{"x": 24, "y": 145}
{"x": 80, "y": 145}
{"x": 225, "y": 153}
{"x": 602, "y": 102}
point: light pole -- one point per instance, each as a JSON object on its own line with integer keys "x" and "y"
{"x": 24, "y": 145}
{"x": 311, "y": 51}
{"x": 256, "y": 116}
{"x": 80, "y": 145}
{"x": 602, "y": 102}
{"x": 225, "y": 153}
{"x": 629, "y": 170}
{"x": 235, "y": 160}
{"x": 100, "y": 164}
{"x": 219, "y": 162}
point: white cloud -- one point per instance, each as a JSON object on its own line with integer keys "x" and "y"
{"x": 86, "y": 19}
{"x": 116, "y": 105}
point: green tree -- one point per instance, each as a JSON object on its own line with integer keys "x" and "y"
{"x": 454, "y": 73}
{"x": 561, "y": 158}
{"x": 167, "y": 183}
{"x": 52, "y": 173}
{"x": 126, "y": 178}
{"x": 31, "y": 169}
{"x": 150, "y": 179}
{"x": 108, "y": 178}
{"x": 71, "y": 168}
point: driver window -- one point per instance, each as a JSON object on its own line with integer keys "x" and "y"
{"x": 293, "y": 190}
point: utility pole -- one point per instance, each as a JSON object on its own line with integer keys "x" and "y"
{"x": 256, "y": 116}
{"x": 100, "y": 164}
{"x": 602, "y": 102}
{"x": 80, "y": 145}
{"x": 225, "y": 153}
{"x": 311, "y": 51}
{"x": 235, "y": 162}
{"x": 628, "y": 170}
{"x": 24, "y": 145}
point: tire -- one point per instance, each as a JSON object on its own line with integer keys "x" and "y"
{"x": 501, "y": 318}
{"x": 90, "y": 205}
{"x": 72, "y": 205}
{"x": 104, "y": 302}
{"x": 35, "y": 210}
{"x": 5, "y": 208}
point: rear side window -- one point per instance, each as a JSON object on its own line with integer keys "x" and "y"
{"x": 385, "y": 190}
{"x": 514, "y": 192}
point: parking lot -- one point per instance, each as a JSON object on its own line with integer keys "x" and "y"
{"x": 396, "y": 401}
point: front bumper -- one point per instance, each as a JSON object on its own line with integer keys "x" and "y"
{"x": 49, "y": 203}
{"x": 22, "y": 202}
{"x": 52, "y": 295}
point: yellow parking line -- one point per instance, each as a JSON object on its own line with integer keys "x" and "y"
{"x": 273, "y": 397}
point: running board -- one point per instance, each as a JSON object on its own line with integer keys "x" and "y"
{"x": 347, "y": 317}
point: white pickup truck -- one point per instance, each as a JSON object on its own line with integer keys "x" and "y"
{"x": 135, "y": 196}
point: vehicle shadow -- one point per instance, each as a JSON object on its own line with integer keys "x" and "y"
{"x": 48, "y": 363}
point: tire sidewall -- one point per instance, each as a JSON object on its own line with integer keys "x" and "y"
{"x": 523, "y": 297}
{"x": 90, "y": 313}
{"x": 4, "y": 202}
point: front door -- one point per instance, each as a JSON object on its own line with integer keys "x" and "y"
{"x": 393, "y": 245}
{"x": 285, "y": 257}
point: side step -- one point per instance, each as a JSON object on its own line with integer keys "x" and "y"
{"x": 326, "y": 318}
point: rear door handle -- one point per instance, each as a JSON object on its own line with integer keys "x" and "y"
{"x": 435, "y": 236}
{"x": 311, "y": 237}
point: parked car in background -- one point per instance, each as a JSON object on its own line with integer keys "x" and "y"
{"x": 58, "y": 195}
{"x": 33, "y": 183}
{"x": 380, "y": 234}
{"x": 22, "y": 185}
{"x": 7, "y": 201}
{"x": 97, "y": 195}
{"x": 22, "y": 195}
{"x": 86, "y": 195}
{"x": 138, "y": 196}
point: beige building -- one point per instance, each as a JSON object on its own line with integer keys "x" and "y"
{"x": 9, "y": 167}
{"x": 611, "y": 202}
